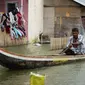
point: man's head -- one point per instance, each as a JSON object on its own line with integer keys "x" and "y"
{"x": 75, "y": 32}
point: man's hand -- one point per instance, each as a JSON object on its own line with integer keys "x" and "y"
{"x": 70, "y": 45}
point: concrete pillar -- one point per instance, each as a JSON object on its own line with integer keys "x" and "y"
{"x": 35, "y": 19}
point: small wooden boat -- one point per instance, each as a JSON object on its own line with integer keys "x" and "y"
{"x": 13, "y": 61}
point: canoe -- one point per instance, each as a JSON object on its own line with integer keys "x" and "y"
{"x": 15, "y": 61}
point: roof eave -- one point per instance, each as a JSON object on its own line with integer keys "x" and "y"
{"x": 82, "y": 2}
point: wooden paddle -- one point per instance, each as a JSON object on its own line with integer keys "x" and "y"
{"x": 63, "y": 51}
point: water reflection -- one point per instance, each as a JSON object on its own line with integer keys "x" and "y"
{"x": 71, "y": 74}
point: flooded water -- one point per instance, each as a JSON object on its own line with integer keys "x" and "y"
{"x": 69, "y": 74}
{"x": 32, "y": 49}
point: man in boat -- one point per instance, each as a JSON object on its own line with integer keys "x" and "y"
{"x": 76, "y": 44}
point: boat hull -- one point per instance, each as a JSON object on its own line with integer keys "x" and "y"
{"x": 13, "y": 61}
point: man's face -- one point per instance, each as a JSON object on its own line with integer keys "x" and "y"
{"x": 75, "y": 34}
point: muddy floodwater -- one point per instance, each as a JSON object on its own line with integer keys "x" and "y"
{"x": 69, "y": 74}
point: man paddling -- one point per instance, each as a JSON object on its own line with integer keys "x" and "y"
{"x": 76, "y": 44}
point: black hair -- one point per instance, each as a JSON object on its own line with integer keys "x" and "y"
{"x": 75, "y": 30}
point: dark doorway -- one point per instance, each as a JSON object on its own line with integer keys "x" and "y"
{"x": 11, "y": 6}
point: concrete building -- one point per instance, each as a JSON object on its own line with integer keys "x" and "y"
{"x": 54, "y": 18}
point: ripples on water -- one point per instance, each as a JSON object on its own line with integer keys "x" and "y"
{"x": 71, "y": 74}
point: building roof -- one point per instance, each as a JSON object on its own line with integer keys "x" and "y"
{"x": 82, "y": 2}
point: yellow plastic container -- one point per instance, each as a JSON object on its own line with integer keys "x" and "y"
{"x": 37, "y": 79}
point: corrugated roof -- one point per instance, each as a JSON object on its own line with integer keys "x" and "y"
{"x": 82, "y": 2}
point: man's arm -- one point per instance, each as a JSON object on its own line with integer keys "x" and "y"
{"x": 81, "y": 40}
{"x": 69, "y": 43}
